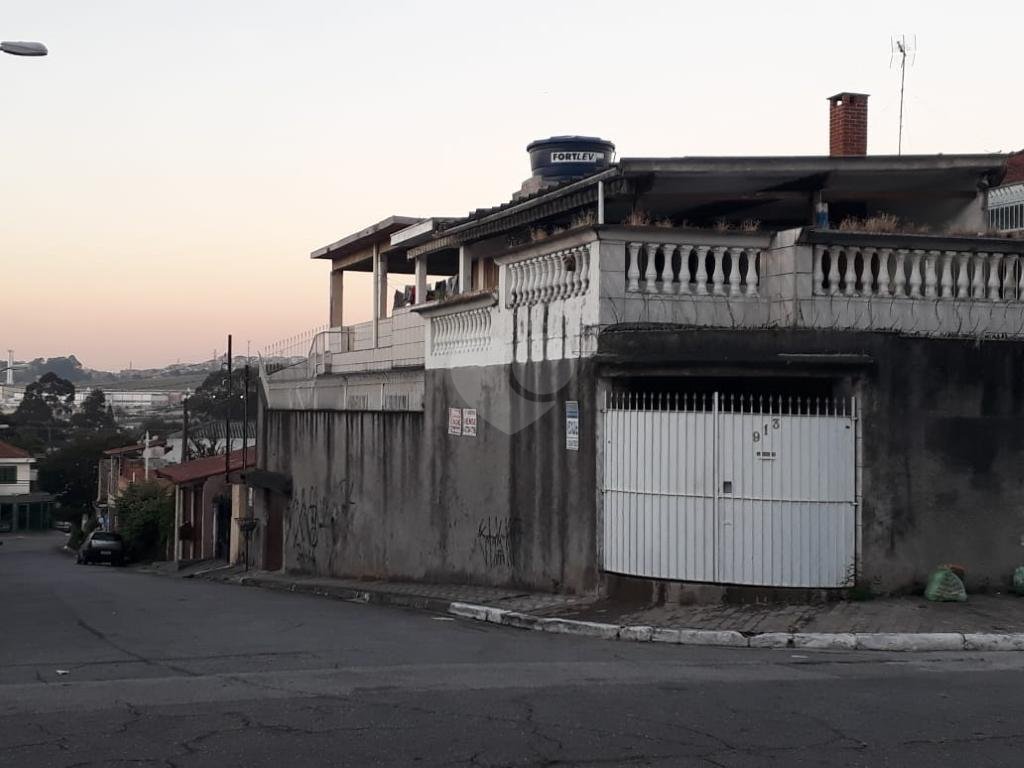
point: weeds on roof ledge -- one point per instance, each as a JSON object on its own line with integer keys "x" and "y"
{"x": 888, "y": 224}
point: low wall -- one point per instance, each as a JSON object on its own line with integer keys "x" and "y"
{"x": 393, "y": 495}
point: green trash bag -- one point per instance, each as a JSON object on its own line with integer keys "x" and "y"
{"x": 944, "y": 586}
{"x": 1018, "y": 580}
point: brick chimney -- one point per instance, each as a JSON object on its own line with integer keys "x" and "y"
{"x": 848, "y": 124}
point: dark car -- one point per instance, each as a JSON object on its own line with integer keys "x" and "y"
{"x": 102, "y": 547}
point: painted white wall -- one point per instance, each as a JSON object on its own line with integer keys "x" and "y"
{"x": 24, "y": 476}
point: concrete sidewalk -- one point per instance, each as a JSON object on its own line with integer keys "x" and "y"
{"x": 983, "y": 623}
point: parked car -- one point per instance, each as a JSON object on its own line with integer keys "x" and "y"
{"x": 102, "y": 547}
{"x": 63, "y": 525}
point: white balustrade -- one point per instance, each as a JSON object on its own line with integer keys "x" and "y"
{"x": 702, "y": 270}
{"x": 917, "y": 274}
{"x": 551, "y": 277}
{"x": 461, "y": 332}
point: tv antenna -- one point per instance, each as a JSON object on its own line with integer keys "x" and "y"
{"x": 903, "y": 48}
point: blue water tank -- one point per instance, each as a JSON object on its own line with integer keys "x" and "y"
{"x": 566, "y": 157}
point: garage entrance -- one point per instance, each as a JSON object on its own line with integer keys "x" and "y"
{"x": 731, "y": 488}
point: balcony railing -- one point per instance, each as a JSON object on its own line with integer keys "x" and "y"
{"x": 556, "y": 296}
{"x": 689, "y": 269}
{"x": 561, "y": 274}
{"x": 912, "y": 284}
{"x": 905, "y": 273}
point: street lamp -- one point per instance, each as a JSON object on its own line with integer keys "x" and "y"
{"x": 23, "y": 48}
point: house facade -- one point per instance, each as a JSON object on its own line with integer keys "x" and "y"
{"x": 781, "y": 372}
{"x": 22, "y": 506}
{"x": 210, "y": 501}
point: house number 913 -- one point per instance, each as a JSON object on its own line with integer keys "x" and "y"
{"x": 763, "y": 433}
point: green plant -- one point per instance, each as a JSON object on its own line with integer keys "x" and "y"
{"x": 723, "y": 225}
{"x": 146, "y": 518}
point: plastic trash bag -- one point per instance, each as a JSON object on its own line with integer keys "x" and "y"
{"x": 944, "y": 586}
{"x": 1018, "y": 580}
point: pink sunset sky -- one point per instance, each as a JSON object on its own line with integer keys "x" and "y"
{"x": 169, "y": 167}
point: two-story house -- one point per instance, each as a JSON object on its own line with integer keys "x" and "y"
{"x": 787, "y": 372}
{"x": 22, "y": 507}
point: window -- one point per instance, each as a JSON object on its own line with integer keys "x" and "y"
{"x": 8, "y": 475}
{"x": 1007, "y": 217}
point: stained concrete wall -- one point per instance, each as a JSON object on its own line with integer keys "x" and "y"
{"x": 943, "y": 434}
{"x": 393, "y": 495}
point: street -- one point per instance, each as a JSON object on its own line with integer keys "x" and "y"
{"x": 109, "y": 667}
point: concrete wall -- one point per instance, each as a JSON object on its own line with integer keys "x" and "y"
{"x": 393, "y": 495}
{"x": 943, "y": 435}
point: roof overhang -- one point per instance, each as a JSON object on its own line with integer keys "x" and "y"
{"x": 379, "y": 233}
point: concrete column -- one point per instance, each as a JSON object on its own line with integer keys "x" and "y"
{"x": 465, "y": 270}
{"x": 385, "y": 296}
{"x": 421, "y": 279}
{"x": 376, "y": 293}
{"x": 337, "y": 298}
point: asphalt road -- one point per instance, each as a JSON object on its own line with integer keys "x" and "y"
{"x": 108, "y": 667}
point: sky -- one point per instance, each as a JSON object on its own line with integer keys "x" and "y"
{"x": 166, "y": 171}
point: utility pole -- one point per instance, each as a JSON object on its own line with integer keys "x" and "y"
{"x": 245, "y": 419}
{"x": 184, "y": 428}
{"x": 227, "y": 420}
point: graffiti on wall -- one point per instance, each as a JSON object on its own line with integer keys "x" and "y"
{"x": 316, "y": 516}
{"x": 499, "y": 539}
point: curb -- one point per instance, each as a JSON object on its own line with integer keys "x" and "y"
{"x": 840, "y": 641}
{"x": 820, "y": 641}
{"x": 437, "y": 605}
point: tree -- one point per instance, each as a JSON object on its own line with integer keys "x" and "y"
{"x": 71, "y": 472}
{"x": 33, "y": 408}
{"x": 57, "y": 394}
{"x": 210, "y": 400}
{"x": 145, "y": 512}
{"x": 94, "y": 413}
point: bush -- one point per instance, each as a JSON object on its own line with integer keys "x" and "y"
{"x": 78, "y": 532}
{"x": 145, "y": 513}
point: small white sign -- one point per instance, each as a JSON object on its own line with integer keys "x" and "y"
{"x": 572, "y": 425}
{"x": 454, "y": 421}
{"x": 469, "y": 422}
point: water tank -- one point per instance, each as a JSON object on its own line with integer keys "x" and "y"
{"x": 565, "y": 157}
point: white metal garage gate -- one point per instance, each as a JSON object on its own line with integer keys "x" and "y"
{"x": 731, "y": 489}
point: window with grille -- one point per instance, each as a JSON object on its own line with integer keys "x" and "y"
{"x": 1007, "y": 217}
